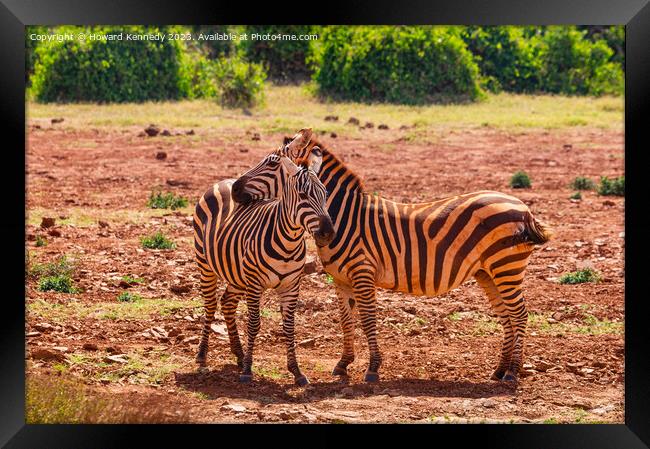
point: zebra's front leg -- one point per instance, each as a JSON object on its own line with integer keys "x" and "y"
{"x": 288, "y": 303}
{"x": 364, "y": 295}
{"x": 229, "y": 303}
{"x": 252, "y": 329}
{"x": 346, "y": 309}
{"x": 208, "y": 291}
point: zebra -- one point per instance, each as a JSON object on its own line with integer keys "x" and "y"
{"x": 257, "y": 246}
{"x": 424, "y": 249}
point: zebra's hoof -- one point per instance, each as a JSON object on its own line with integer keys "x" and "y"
{"x": 509, "y": 377}
{"x": 497, "y": 375}
{"x": 371, "y": 377}
{"x": 302, "y": 381}
{"x": 245, "y": 378}
{"x": 339, "y": 371}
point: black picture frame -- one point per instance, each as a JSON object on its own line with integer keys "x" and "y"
{"x": 635, "y": 14}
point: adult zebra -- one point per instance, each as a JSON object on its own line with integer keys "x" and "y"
{"x": 421, "y": 249}
{"x": 257, "y": 246}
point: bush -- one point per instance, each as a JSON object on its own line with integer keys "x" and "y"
{"x": 520, "y": 180}
{"x": 60, "y": 267}
{"x": 612, "y": 187}
{"x": 214, "y": 48}
{"x": 159, "y": 200}
{"x": 580, "y": 277}
{"x": 157, "y": 241}
{"x": 576, "y": 196}
{"x": 411, "y": 65}
{"x": 107, "y": 71}
{"x": 582, "y": 183}
{"x": 40, "y": 241}
{"x": 507, "y": 59}
{"x": 284, "y": 60}
{"x": 574, "y": 65}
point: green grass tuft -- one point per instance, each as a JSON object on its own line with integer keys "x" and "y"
{"x": 520, "y": 180}
{"x": 159, "y": 200}
{"x": 582, "y": 183}
{"x": 61, "y": 283}
{"x": 576, "y": 196}
{"x": 580, "y": 277}
{"x": 157, "y": 241}
{"x": 40, "y": 241}
{"x": 129, "y": 297}
{"x": 612, "y": 187}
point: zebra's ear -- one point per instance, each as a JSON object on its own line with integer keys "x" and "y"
{"x": 299, "y": 141}
{"x": 315, "y": 159}
{"x": 288, "y": 164}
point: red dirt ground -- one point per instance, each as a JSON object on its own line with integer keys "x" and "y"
{"x": 438, "y": 352}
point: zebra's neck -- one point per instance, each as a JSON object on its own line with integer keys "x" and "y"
{"x": 341, "y": 183}
{"x": 289, "y": 227}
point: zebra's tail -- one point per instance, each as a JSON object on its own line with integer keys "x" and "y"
{"x": 535, "y": 231}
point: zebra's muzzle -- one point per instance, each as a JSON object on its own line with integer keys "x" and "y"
{"x": 325, "y": 232}
{"x": 239, "y": 193}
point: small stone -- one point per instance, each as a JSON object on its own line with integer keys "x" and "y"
{"x": 603, "y": 410}
{"x": 413, "y": 332}
{"x": 353, "y": 121}
{"x": 192, "y": 339}
{"x": 180, "y": 289}
{"x": 57, "y": 120}
{"x": 542, "y": 366}
{"x": 152, "y": 130}
{"x": 308, "y": 343}
{"x": 567, "y": 146}
{"x": 369, "y": 125}
{"x": 256, "y": 136}
{"x": 220, "y": 329}
{"x": 102, "y": 224}
{"x": 188, "y": 318}
{"x": 190, "y": 132}
{"x": 347, "y": 392}
{"x": 410, "y": 309}
{"x": 174, "y": 332}
{"x": 32, "y": 334}
{"x": 609, "y": 203}
{"x": 382, "y": 126}
{"x": 113, "y": 350}
{"x": 47, "y": 355}
{"x": 237, "y": 408}
{"x": 47, "y": 222}
{"x": 161, "y": 155}
{"x": 90, "y": 347}
{"x": 332, "y": 118}
{"x": 310, "y": 267}
{"x": 333, "y": 135}
{"x": 54, "y": 233}
{"x": 119, "y": 358}
{"x": 44, "y": 327}
{"x": 165, "y": 133}
{"x": 60, "y": 348}
{"x": 489, "y": 403}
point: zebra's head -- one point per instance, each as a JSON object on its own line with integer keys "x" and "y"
{"x": 305, "y": 197}
{"x": 266, "y": 179}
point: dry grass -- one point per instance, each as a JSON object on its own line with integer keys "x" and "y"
{"x": 289, "y": 108}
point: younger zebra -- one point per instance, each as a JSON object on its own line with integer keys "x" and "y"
{"x": 257, "y": 246}
{"x": 424, "y": 249}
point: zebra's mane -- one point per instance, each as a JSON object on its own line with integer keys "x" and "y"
{"x": 356, "y": 183}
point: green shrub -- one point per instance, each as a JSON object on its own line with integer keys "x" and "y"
{"x": 580, "y": 277}
{"x": 520, "y": 180}
{"x": 613, "y": 35}
{"x": 582, "y": 183}
{"x": 615, "y": 186}
{"x": 507, "y": 59}
{"x": 60, "y": 283}
{"x": 159, "y": 200}
{"x": 284, "y": 59}
{"x": 214, "y": 48}
{"x": 576, "y": 196}
{"x": 107, "y": 71}
{"x": 132, "y": 280}
{"x": 30, "y": 49}
{"x": 574, "y": 65}
{"x": 241, "y": 84}
{"x": 40, "y": 241}
{"x": 129, "y": 297}
{"x": 157, "y": 241}
{"x": 396, "y": 64}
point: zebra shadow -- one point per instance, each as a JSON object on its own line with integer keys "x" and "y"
{"x": 223, "y": 383}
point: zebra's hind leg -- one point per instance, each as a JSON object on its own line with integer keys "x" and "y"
{"x": 252, "y": 329}
{"x": 508, "y": 284}
{"x": 347, "y": 305}
{"x": 288, "y": 303}
{"x": 229, "y": 303}
{"x": 208, "y": 291}
{"x": 364, "y": 295}
{"x": 486, "y": 282}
